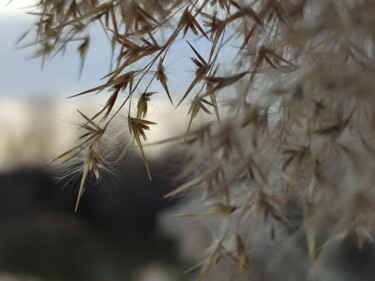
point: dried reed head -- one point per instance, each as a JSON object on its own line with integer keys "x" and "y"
{"x": 293, "y": 83}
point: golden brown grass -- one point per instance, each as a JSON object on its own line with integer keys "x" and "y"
{"x": 296, "y": 115}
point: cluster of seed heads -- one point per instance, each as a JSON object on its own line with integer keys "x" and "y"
{"x": 295, "y": 108}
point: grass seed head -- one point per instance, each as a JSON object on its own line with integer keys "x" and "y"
{"x": 293, "y": 81}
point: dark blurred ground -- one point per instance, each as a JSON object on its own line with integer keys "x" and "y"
{"x": 111, "y": 237}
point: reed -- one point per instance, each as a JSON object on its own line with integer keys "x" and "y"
{"x": 294, "y": 125}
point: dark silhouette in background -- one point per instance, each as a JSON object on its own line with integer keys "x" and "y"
{"x": 112, "y": 235}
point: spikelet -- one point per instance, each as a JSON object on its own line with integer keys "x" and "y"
{"x": 93, "y": 164}
{"x": 137, "y": 129}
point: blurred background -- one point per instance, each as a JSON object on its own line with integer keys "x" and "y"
{"x": 115, "y": 234}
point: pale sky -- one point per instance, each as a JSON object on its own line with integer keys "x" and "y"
{"x": 21, "y": 74}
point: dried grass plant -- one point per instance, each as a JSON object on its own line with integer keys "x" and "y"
{"x": 294, "y": 129}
